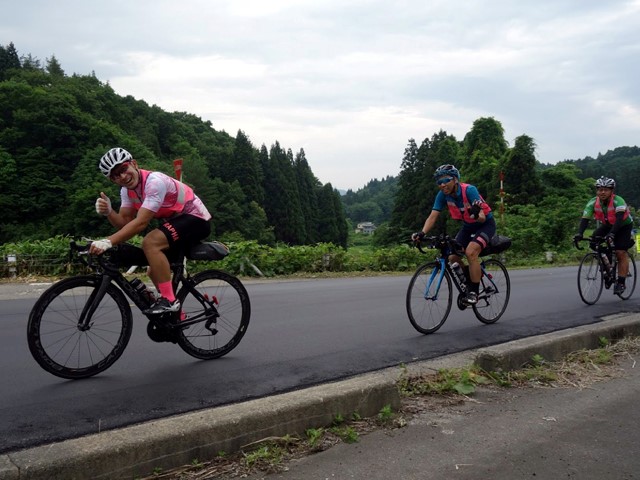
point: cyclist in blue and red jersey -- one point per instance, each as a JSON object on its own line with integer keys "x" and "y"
{"x": 464, "y": 203}
{"x": 145, "y": 195}
{"x": 616, "y": 224}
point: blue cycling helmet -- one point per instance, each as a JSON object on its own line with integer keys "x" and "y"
{"x": 446, "y": 169}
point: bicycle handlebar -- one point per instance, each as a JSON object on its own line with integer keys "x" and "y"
{"x": 594, "y": 240}
{"x": 436, "y": 241}
{"x": 91, "y": 261}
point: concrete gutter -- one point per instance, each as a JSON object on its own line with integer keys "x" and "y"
{"x": 175, "y": 441}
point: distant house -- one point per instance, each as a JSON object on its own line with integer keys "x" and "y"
{"x": 366, "y": 228}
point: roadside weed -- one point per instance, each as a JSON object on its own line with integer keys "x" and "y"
{"x": 314, "y": 435}
{"x": 267, "y": 455}
{"x": 385, "y": 414}
{"x": 347, "y": 433}
{"x": 338, "y": 419}
{"x": 462, "y": 381}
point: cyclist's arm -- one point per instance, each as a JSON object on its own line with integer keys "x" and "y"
{"x": 621, "y": 210}
{"x": 587, "y": 214}
{"x": 133, "y": 227}
{"x": 430, "y": 221}
{"x": 473, "y": 196}
{"x": 584, "y": 223}
{"x": 618, "y": 223}
{"x": 121, "y": 218}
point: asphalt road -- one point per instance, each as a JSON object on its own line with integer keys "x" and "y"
{"x": 302, "y": 333}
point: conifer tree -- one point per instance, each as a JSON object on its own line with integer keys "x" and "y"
{"x": 521, "y": 179}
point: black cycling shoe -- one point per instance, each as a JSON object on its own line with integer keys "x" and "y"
{"x": 162, "y": 305}
{"x": 471, "y": 298}
{"x": 619, "y": 288}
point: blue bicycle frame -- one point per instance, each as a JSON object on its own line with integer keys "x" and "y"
{"x": 438, "y": 275}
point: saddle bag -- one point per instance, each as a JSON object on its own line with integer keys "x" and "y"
{"x": 208, "y": 251}
{"x": 498, "y": 244}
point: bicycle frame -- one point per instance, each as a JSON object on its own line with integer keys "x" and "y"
{"x": 594, "y": 272}
{"x": 107, "y": 274}
{"x": 438, "y": 274}
{"x": 81, "y": 325}
{"x": 599, "y": 249}
{"x": 430, "y": 295}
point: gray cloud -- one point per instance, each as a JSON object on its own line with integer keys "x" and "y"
{"x": 351, "y": 82}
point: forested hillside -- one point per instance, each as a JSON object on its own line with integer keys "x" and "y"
{"x": 373, "y": 202}
{"x": 55, "y": 127}
{"x": 541, "y": 204}
{"x": 528, "y": 184}
{"x": 623, "y": 164}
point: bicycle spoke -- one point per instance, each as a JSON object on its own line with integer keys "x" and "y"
{"x": 429, "y": 298}
{"x": 232, "y": 304}
{"x": 57, "y": 343}
{"x": 590, "y": 278}
{"x": 494, "y": 292}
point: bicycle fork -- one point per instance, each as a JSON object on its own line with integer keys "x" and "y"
{"x": 93, "y": 301}
{"x": 437, "y": 275}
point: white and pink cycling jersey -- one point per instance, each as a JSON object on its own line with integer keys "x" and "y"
{"x": 161, "y": 191}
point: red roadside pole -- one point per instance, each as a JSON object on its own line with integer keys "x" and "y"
{"x": 177, "y": 168}
{"x": 502, "y": 198}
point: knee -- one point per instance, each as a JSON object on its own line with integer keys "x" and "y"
{"x": 472, "y": 253}
{"x": 152, "y": 242}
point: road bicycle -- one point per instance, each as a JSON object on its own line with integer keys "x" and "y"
{"x": 430, "y": 293}
{"x": 598, "y": 269}
{"x": 81, "y": 325}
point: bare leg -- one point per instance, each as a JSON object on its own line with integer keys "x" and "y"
{"x": 473, "y": 257}
{"x": 623, "y": 263}
{"x": 153, "y": 244}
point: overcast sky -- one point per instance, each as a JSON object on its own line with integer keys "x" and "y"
{"x": 350, "y": 81}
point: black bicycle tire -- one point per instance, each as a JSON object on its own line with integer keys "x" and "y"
{"x": 633, "y": 276}
{"x": 595, "y": 263}
{"x": 58, "y": 306}
{"x": 236, "y": 328}
{"x": 413, "y": 292}
{"x": 479, "y": 307}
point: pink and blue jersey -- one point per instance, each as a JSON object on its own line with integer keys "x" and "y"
{"x": 443, "y": 201}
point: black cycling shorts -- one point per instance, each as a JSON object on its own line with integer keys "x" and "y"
{"x": 185, "y": 230}
{"x": 481, "y": 233}
{"x": 623, "y": 240}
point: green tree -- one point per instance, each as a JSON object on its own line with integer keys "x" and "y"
{"x": 521, "y": 178}
{"x": 332, "y": 225}
{"x": 307, "y": 185}
{"x": 416, "y": 186}
{"x": 29, "y": 62}
{"x": 246, "y": 168}
{"x": 282, "y": 200}
{"x": 9, "y": 60}
{"x": 483, "y": 148}
{"x": 53, "y": 67}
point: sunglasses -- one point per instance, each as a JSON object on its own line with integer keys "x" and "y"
{"x": 119, "y": 170}
{"x": 444, "y": 180}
